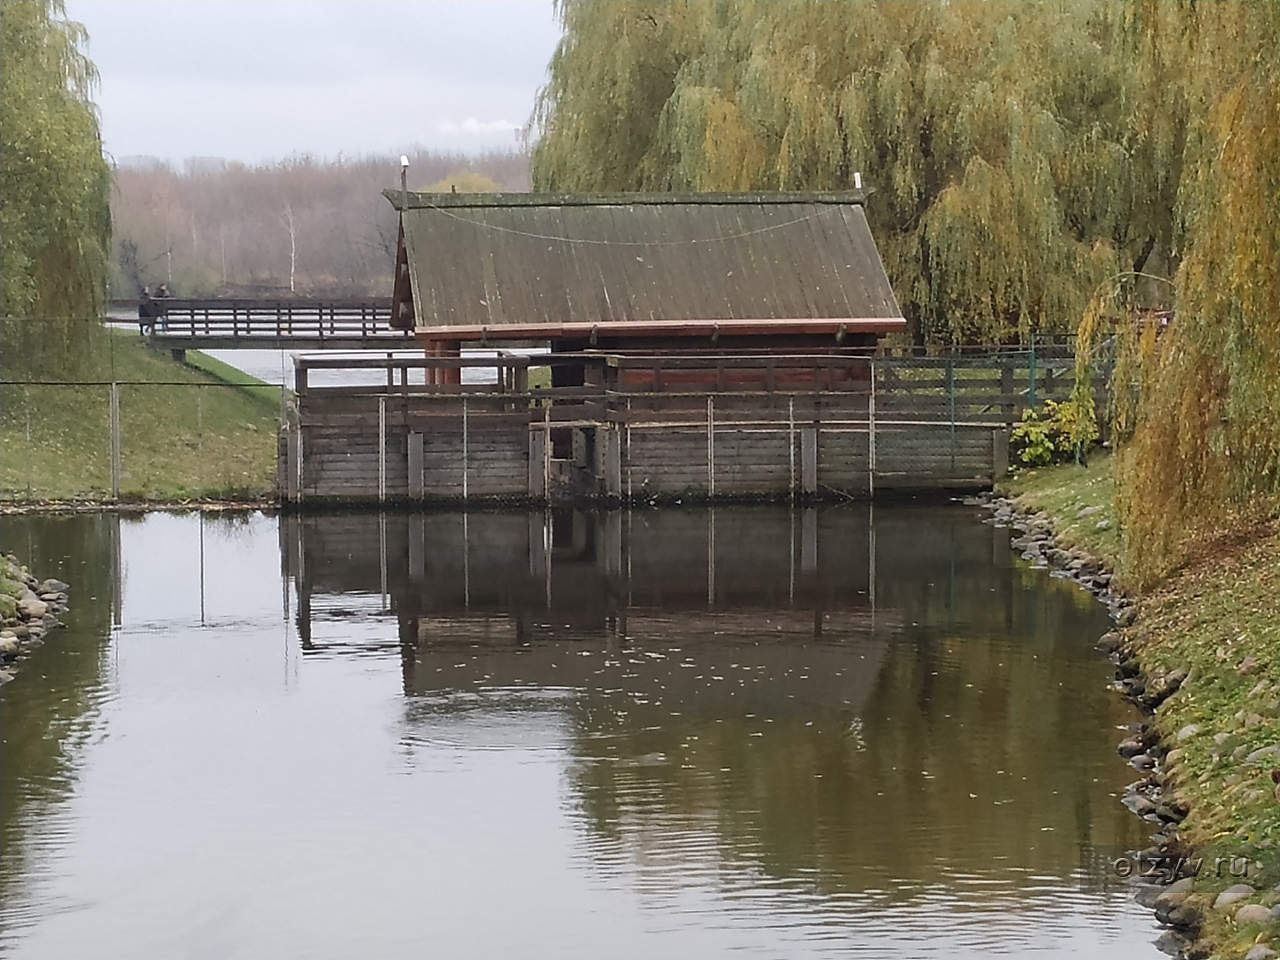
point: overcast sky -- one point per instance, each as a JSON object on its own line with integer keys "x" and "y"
{"x": 260, "y": 79}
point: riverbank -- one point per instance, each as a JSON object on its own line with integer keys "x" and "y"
{"x": 29, "y": 609}
{"x": 1213, "y": 742}
{"x": 188, "y": 431}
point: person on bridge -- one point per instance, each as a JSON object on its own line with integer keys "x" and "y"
{"x": 146, "y": 314}
{"x": 161, "y": 310}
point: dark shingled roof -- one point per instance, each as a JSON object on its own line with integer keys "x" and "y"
{"x": 534, "y": 260}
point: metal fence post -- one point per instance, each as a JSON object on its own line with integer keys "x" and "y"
{"x": 1031, "y": 374}
{"x": 26, "y": 405}
{"x": 382, "y": 449}
{"x": 200, "y": 434}
{"x": 951, "y": 405}
{"x": 115, "y": 440}
{"x": 871, "y": 434}
{"x": 711, "y": 447}
{"x": 464, "y": 449}
{"x": 791, "y": 443}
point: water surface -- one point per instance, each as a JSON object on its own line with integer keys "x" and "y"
{"x": 845, "y": 732}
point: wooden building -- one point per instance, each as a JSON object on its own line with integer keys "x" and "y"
{"x": 717, "y": 346}
{"x": 660, "y": 273}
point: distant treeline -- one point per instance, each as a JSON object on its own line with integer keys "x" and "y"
{"x": 303, "y": 225}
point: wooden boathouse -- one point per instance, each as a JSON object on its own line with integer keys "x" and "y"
{"x": 641, "y": 347}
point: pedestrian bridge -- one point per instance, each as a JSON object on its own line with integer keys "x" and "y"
{"x": 257, "y": 324}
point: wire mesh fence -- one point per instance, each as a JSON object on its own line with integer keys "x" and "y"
{"x": 105, "y": 439}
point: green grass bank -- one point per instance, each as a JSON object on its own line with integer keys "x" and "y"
{"x": 188, "y": 431}
{"x": 1217, "y": 615}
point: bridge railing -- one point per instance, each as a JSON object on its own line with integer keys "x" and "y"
{"x": 286, "y": 319}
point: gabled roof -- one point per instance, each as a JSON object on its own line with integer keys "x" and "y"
{"x": 470, "y": 263}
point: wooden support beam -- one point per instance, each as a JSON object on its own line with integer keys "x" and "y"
{"x": 538, "y": 439}
{"x": 999, "y": 454}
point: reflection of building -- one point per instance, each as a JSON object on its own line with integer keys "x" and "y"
{"x": 743, "y": 586}
{"x": 861, "y": 697}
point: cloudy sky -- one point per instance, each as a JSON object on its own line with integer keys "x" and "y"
{"x": 260, "y": 79}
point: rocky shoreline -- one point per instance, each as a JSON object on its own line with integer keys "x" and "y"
{"x": 1163, "y": 873}
{"x": 30, "y": 609}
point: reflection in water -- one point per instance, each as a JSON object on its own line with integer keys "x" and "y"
{"x": 799, "y": 733}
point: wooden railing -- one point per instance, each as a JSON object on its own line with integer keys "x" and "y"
{"x": 310, "y": 324}
{"x": 991, "y": 390}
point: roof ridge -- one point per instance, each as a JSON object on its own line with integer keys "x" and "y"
{"x": 413, "y": 200}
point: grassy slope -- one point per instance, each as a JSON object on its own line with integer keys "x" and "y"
{"x": 177, "y": 442}
{"x": 1219, "y": 616}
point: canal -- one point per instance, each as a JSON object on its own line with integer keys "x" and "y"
{"x": 853, "y": 731}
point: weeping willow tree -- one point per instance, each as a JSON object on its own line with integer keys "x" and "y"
{"x": 996, "y": 135}
{"x": 1196, "y": 403}
{"x": 55, "y": 218}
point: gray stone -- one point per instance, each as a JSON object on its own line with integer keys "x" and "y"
{"x": 1264, "y": 753}
{"x": 1260, "y": 951}
{"x": 1184, "y": 915}
{"x": 1138, "y": 804}
{"x": 1129, "y": 747}
{"x": 32, "y": 607}
{"x": 1171, "y": 943}
{"x": 53, "y": 586}
{"x": 9, "y": 647}
{"x": 1088, "y": 512}
{"x": 1147, "y": 894}
{"x": 1253, "y": 913}
{"x": 1187, "y": 732}
{"x": 1275, "y": 913}
{"x": 1233, "y": 894}
{"x": 1102, "y": 525}
{"x": 1167, "y": 900}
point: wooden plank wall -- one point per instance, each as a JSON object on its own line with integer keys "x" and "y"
{"x": 499, "y": 456}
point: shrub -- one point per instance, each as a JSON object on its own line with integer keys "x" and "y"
{"x": 1059, "y": 433}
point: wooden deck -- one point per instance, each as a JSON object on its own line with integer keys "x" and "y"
{"x": 645, "y": 428}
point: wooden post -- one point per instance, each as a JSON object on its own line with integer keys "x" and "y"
{"x": 537, "y": 468}
{"x": 999, "y": 454}
{"x": 292, "y": 458}
{"x": 809, "y": 459}
{"x": 382, "y": 449}
{"x": 613, "y": 461}
{"x": 415, "y": 465}
{"x": 115, "y": 440}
